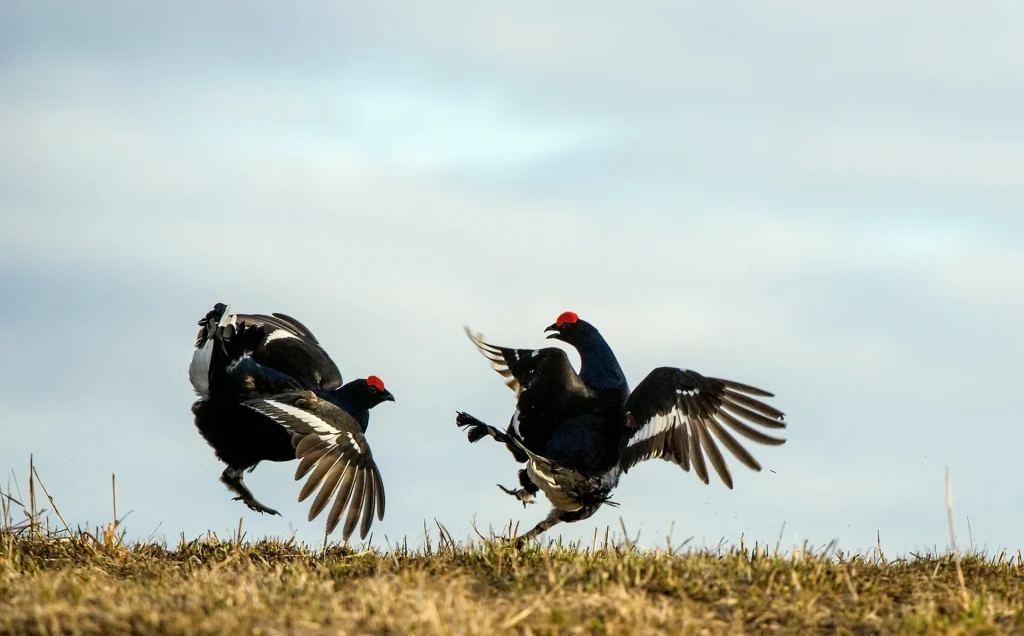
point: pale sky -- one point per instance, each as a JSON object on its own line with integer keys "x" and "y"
{"x": 823, "y": 201}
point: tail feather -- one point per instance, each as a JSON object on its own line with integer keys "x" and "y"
{"x": 234, "y": 341}
{"x": 199, "y": 369}
{"x": 219, "y": 316}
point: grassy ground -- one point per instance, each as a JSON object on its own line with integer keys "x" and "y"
{"x": 74, "y": 581}
{"x": 93, "y": 584}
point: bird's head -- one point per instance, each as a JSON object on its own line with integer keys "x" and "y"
{"x": 569, "y": 328}
{"x": 370, "y": 392}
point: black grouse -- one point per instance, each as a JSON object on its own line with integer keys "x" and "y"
{"x": 578, "y": 432}
{"x": 268, "y": 391}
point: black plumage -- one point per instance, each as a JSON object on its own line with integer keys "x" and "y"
{"x": 578, "y": 433}
{"x": 269, "y": 392}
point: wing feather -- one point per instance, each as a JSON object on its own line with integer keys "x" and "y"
{"x": 741, "y": 411}
{"x": 319, "y": 473}
{"x": 730, "y": 442}
{"x": 332, "y": 449}
{"x": 378, "y": 491}
{"x": 342, "y": 499}
{"x": 356, "y": 502}
{"x": 310, "y": 459}
{"x": 747, "y": 431}
{"x": 368, "y": 501}
{"x": 678, "y": 415}
{"x": 743, "y": 388}
{"x": 333, "y": 477}
{"x": 714, "y": 455}
{"x": 306, "y": 445}
{"x": 697, "y": 458}
{"x": 547, "y": 387}
{"x": 754, "y": 405}
{"x": 498, "y": 357}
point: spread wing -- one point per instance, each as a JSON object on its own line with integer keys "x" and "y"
{"x": 520, "y": 366}
{"x": 678, "y": 415}
{"x": 548, "y": 389}
{"x": 330, "y": 443}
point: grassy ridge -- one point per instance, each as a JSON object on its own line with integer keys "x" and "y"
{"x": 94, "y": 583}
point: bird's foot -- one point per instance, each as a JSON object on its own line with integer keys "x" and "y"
{"x": 518, "y": 543}
{"x": 522, "y": 494}
{"x": 477, "y": 430}
{"x": 256, "y": 506}
{"x": 232, "y": 478}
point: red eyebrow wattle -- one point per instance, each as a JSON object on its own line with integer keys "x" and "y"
{"x": 566, "y": 317}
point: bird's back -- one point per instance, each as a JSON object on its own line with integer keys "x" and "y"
{"x": 290, "y": 348}
{"x": 267, "y": 354}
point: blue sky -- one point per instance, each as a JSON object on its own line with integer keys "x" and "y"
{"x": 824, "y": 201}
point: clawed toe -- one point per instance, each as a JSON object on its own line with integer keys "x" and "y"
{"x": 256, "y": 506}
{"x": 264, "y": 509}
{"x": 522, "y": 495}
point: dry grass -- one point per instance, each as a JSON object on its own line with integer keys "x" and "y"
{"x": 76, "y": 581}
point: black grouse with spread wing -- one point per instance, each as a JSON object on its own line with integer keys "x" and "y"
{"x": 578, "y": 432}
{"x": 268, "y": 391}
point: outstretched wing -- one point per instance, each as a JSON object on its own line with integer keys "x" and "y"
{"x": 548, "y": 389}
{"x": 521, "y": 367}
{"x": 677, "y": 415}
{"x": 329, "y": 442}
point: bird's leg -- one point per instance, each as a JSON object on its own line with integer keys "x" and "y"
{"x": 558, "y": 516}
{"x": 232, "y": 478}
{"x": 527, "y": 492}
{"x": 553, "y": 518}
{"x": 477, "y": 430}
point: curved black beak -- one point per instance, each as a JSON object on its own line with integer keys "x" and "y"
{"x": 387, "y": 397}
{"x": 557, "y": 332}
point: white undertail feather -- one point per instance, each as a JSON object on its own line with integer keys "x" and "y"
{"x": 557, "y": 496}
{"x": 199, "y": 368}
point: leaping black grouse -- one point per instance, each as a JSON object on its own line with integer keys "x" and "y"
{"x": 578, "y": 432}
{"x": 268, "y": 391}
